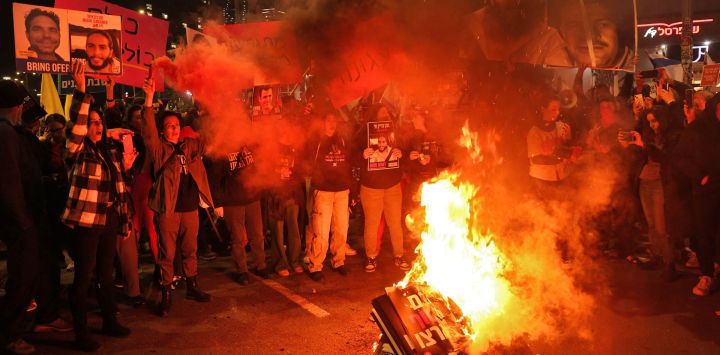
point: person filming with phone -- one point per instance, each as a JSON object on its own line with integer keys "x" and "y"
{"x": 653, "y": 146}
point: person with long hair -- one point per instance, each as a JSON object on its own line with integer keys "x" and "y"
{"x": 98, "y": 210}
{"x": 655, "y": 144}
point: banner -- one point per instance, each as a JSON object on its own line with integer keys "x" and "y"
{"x": 276, "y": 48}
{"x": 366, "y": 65}
{"x": 710, "y": 75}
{"x": 592, "y": 33}
{"x": 144, "y": 37}
{"x": 381, "y": 138}
{"x": 66, "y": 85}
{"x": 96, "y": 39}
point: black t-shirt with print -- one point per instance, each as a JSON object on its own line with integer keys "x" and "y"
{"x": 188, "y": 197}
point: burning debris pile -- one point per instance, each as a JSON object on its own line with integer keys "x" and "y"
{"x": 470, "y": 290}
{"x": 457, "y": 285}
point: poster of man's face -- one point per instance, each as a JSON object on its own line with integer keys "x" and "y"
{"x": 40, "y": 36}
{"x": 95, "y": 39}
{"x": 601, "y": 36}
{"x": 266, "y": 101}
{"x": 560, "y": 33}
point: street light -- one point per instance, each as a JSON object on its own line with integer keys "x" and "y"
{"x": 141, "y": 11}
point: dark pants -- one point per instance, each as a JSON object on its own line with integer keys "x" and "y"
{"x": 94, "y": 250}
{"x": 48, "y": 291}
{"x": 182, "y": 228}
{"x": 706, "y": 200}
{"x": 286, "y": 258}
{"x": 239, "y": 219}
{"x": 22, "y": 269}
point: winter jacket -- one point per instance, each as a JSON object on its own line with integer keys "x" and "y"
{"x": 164, "y": 193}
{"x": 91, "y": 179}
{"x": 20, "y": 181}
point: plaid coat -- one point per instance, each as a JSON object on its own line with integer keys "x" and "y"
{"x": 90, "y": 181}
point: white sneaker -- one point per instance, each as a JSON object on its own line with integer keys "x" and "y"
{"x": 349, "y": 251}
{"x": 704, "y": 286}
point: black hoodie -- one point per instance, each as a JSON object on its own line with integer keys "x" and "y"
{"x": 230, "y": 178}
{"x": 330, "y": 164}
{"x": 698, "y": 153}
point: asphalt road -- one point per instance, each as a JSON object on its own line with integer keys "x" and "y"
{"x": 296, "y": 315}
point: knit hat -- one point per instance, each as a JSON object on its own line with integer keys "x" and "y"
{"x": 11, "y": 94}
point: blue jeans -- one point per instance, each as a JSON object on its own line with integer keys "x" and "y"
{"x": 652, "y": 199}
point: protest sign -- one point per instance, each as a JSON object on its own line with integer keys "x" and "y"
{"x": 66, "y": 85}
{"x": 194, "y": 37}
{"x": 96, "y": 40}
{"x": 42, "y": 43}
{"x": 563, "y": 33}
{"x": 381, "y": 138}
{"x": 710, "y": 75}
{"x": 273, "y": 45}
{"x": 266, "y": 101}
{"x": 144, "y": 39}
{"x": 366, "y": 64}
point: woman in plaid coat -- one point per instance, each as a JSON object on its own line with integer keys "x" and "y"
{"x": 98, "y": 211}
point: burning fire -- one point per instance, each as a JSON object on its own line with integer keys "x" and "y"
{"x": 456, "y": 260}
{"x": 480, "y": 290}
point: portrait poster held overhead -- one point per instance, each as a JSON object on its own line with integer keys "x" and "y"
{"x": 381, "y": 139}
{"x": 598, "y": 33}
{"x": 96, "y": 40}
{"x": 266, "y": 102}
{"x": 42, "y": 42}
{"x": 563, "y": 33}
{"x": 144, "y": 39}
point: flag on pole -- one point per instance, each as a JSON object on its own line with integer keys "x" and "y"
{"x": 68, "y": 103}
{"x": 49, "y": 98}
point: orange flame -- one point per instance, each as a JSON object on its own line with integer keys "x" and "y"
{"x": 455, "y": 260}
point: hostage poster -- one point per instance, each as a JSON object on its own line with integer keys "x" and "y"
{"x": 95, "y": 39}
{"x": 42, "y": 43}
{"x": 381, "y": 139}
{"x": 565, "y": 33}
{"x": 47, "y": 39}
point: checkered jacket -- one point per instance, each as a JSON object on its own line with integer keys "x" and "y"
{"x": 90, "y": 182}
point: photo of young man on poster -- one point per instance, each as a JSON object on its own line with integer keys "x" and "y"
{"x": 266, "y": 101}
{"x": 381, "y": 138}
{"x": 41, "y": 41}
{"x": 610, "y": 29}
{"x": 95, "y": 39}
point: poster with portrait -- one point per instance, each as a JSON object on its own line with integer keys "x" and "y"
{"x": 597, "y": 33}
{"x": 266, "y": 102}
{"x": 96, "y": 39}
{"x": 561, "y": 33}
{"x": 42, "y": 43}
{"x": 381, "y": 139}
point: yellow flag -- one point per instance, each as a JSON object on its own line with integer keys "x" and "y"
{"x": 68, "y": 103}
{"x": 49, "y": 98}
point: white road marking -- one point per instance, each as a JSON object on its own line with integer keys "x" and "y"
{"x": 297, "y": 299}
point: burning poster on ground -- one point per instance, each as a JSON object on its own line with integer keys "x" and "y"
{"x": 490, "y": 269}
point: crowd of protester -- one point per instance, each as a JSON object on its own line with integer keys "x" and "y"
{"x": 72, "y": 185}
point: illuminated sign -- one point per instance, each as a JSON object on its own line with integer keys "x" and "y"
{"x": 651, "y": 30}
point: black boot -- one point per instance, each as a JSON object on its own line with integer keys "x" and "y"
{"x": 194, "y": 292}
{"x": 164, "y": 306}
{"x": 156, "y": 276}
